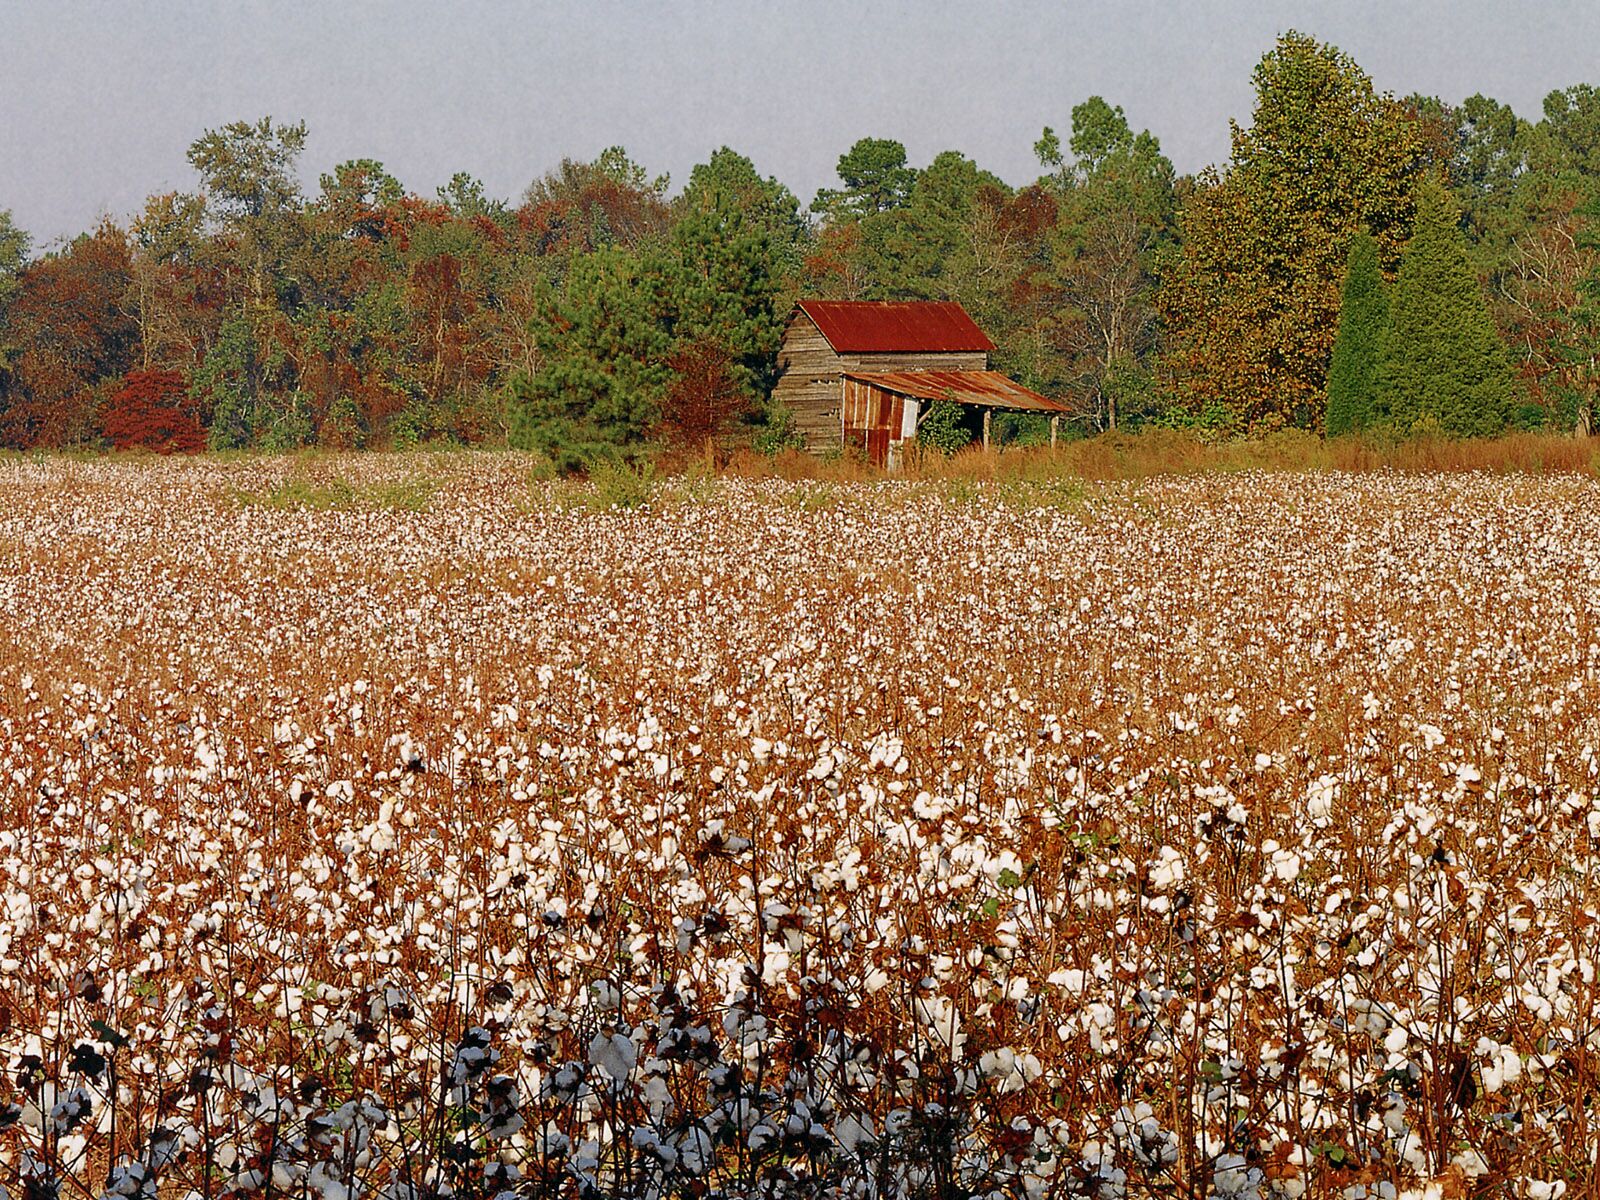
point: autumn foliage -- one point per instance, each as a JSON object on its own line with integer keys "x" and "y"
{"x": 704, "y": 401}
{"x": 152, "y": 411}
{"x": 359, "y": 314}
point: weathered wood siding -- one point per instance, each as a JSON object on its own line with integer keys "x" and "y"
{"x": 967, "y": 360}
{"x": 811, "y": 385}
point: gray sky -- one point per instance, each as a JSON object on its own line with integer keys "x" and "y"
{"x": 99, "y": 101}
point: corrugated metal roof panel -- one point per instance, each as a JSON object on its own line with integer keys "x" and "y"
{"x": 891, "y": 327}
{"x": 987, "y": 388}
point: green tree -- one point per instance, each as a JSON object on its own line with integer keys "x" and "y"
{"x": 604, "y": 341}
{"x": 1098, "y": 132}
{"x": 252, "y": 193}
{"x": 1443, "y": 361}
{"x": 1253, "y": 301}
{"x": 13, "y": 254}
{"x": 167, "y": 242}
{"x": 248, "y": 175}
{"x": 465, "y": 197}
{"x": 1116, "y": 217}
{"x": 931, "y": 247}
{"x": 738, "y": 244}
{"x": 1567, "y": 139}
{"x": 876, "y": 179}
{"x": 1577, "y": 344}
{"x": 1358, "y": 348}
{"x": 729, "y": 185}
{"x": 13, "y": 257}
{"x": 725, "y": 278}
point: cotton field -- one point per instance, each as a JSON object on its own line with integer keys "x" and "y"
{"x": 1224, "y": 836}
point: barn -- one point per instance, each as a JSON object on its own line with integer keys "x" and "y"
{"x": 862, "y": 373}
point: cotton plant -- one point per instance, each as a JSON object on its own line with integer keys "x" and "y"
{"x": 901, "y": 845}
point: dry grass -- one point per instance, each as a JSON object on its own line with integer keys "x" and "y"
{"x": 1224, "y": 835}
{"x": 1158, "y": 452}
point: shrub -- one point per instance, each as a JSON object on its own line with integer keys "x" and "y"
{"x": 778, "y": 434}
{"x": 943, "y": 427}
{"x": 615, "y": 484}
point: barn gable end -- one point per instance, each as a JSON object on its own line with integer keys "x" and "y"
{"x": 809, "y": 383}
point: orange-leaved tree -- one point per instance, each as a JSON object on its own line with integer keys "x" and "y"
{"x": 1252, "y": 305}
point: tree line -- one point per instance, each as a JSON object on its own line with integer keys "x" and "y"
{"x": 1361, "y": 262}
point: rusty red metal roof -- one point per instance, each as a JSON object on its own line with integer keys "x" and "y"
{"x": 895, "y": 327}
{"x": 987, "y": 388}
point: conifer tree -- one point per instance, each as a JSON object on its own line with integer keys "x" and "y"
{"x": 1443, "y": 361}
{"x": 1358, "y": 346}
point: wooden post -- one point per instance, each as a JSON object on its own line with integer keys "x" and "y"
{"x": 1055, "y": 425}
{"x": 987, "y": 413}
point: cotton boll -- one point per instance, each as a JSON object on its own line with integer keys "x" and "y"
{"x": 1167, "y": 870}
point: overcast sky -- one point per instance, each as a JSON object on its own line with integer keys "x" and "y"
{"x": 99, "y": 101}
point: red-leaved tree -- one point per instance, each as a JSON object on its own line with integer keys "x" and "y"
{"x": 152, "y": 411}
{"x": 704, "y": 400}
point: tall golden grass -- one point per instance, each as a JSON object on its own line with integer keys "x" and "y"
{"x": 1161, "y": 452}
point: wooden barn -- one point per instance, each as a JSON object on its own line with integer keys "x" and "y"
{"x": 862, "y": 372}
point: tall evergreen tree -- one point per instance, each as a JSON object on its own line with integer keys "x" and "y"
{"x": 1358, "y": 346}
{"x": 603, "y": 341}
{"x": 1443, "y": 361}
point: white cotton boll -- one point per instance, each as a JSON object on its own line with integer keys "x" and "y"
{"x": 1321, "y": 794}
{"x": 927, "y": 807}
{"x": 1503, "y": 1065}
{"x": 942, "y": 1022}
{"x": 1233, "y": 1177}
{"x": 696, "y": 1153}
{"x": 1540, "y": 1189}
{"x": 854, "y": 1135}
{"x": 1286, "y": 865}
{"x": 1166, "y": 869}
{"x": 614, "y": 1054}
{"x": 760, "y": 749}
{"x": 775, "y": 966}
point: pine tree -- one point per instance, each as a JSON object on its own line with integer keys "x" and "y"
{"x": 1443, "y": 361}
{"x": 1358, "y": 347}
